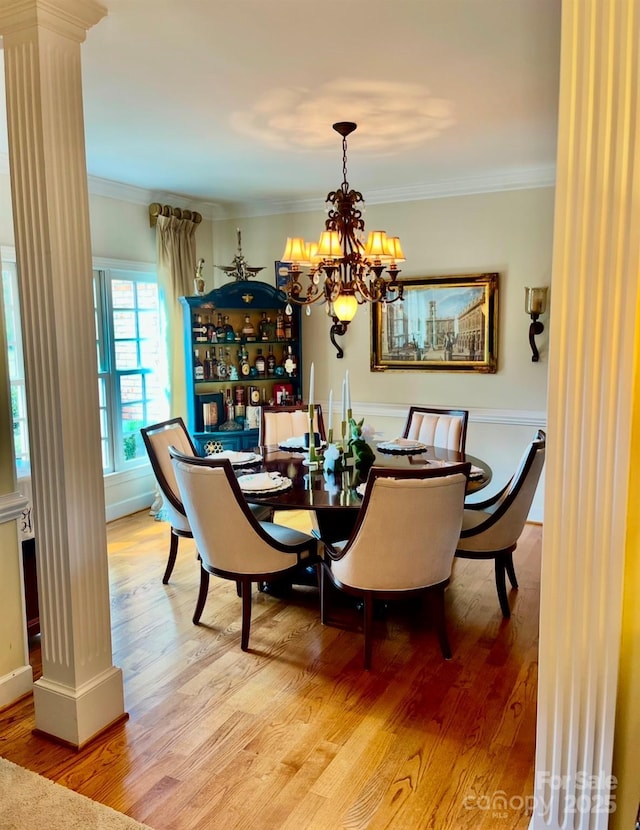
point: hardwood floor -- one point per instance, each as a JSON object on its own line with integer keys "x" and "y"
{"x": 294, "y": 735}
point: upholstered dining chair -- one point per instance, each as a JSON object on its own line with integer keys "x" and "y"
{"x": 157, "y": 440}
{"x": 402, "y": 544}
{"x": 231, "y": 542}
{"x": 491, "y": 528}
{"x": 446, "y": 428}
{"x": 278, "y": 423}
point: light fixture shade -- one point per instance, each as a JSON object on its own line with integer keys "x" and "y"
{"x": 329, "y": 246}
{"x": 345, "y": 307}
{"x": 535, "y": 300}
{"x": 394, "y": 249}
{"x": 312, "y": 253}
{"x": 295, "y": 250}
{"x": 376, "y": 247}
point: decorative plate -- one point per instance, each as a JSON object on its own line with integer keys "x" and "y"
{"x": 402, "y": 446}
{"x": 238, "y": 459}
{"x": 258, "y": 484}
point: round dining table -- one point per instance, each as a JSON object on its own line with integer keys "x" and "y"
{"x": 334, "y": 497}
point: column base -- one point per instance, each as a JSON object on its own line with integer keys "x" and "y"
{"x": 76, "y": 716}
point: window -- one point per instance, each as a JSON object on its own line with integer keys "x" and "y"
{"x": 132, "y": 371}
{"x": 16, "y": 363}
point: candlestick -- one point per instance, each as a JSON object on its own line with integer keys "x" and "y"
{"x": 348, "y": 388}
{"x": 311, "y": 379}
{"x": 344, "y": 402}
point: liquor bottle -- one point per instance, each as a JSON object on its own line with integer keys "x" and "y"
{"x": 271, "y": 363}
{"x": 254, "y": 395}
{"x": 245, "y": 366}
{"x": 211, "y": 331}
{"x": 220, "y": 332}
{"x": 288, "y": 327}
{"x": 248, "y": 329}
{"x": 214, "y": 365}
{"x": 199, "y": 331}
{"x": 198, "y": 368}
{"x": 229, "y": 407}
{"x": 208, "y": 366}
{"x": 280, "y": 326}
{"x": 290, "y": 362}
{"x": 222, "y": 366}
{"x": 263, "y": 327}
{"x": 229, "y": 333}
{"x": 260, "y": 364}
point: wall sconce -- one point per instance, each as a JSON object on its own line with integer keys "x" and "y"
{"x": 535, "y": 304}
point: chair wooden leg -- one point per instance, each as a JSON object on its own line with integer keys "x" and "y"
{"x": 246, "y": 614}
{"x": 368, "y": 629}
{"x": 202, "y": 596}
{"x": 511, "y": 573}
{"x": 439, "y": 619}
{"x": 501, "y": 585}
{"x": 238, "y": 587}
{"x": 173, "y": 553}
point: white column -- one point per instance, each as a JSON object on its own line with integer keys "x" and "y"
{"x": 594, "y": 315}
{"x": 80, "y": 692}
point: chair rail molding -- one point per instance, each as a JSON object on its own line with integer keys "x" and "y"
{"x": 513, "y": 417}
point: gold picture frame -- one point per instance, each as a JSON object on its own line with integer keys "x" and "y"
{"x": 445, "y": 324}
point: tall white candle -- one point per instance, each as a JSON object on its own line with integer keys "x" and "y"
{"x": 344, "y": 401}
{"x": 348, "y": 388}
{"x": 311, "y": 373}
{"x": 330, "y": 416}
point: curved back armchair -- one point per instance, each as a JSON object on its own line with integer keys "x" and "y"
{"x": 402, "y": 544}
{"x": 157, "y": 439}
{"x": 446, "y": 428}
{"x": 491, "y": 528}
{"x": 278, "y": 423}
{"x": 231, "y": 542}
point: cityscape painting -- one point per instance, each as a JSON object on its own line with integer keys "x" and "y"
{"x": 443, "y": 323}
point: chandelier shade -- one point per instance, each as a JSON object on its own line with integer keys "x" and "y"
{"x": 341, "y": 269}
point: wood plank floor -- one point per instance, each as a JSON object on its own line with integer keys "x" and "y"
{"x": 294, "y": 735}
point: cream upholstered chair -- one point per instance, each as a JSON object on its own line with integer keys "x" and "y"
{"x": 278, "y": 423}
{"x": 446, "y": 428}
{"x": 491, "y": 528}
{"x": 157, "y": 440}
{"x": 231, "y": 542}
{"x": 402, "y": 544}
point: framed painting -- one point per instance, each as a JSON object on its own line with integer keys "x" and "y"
{"x": 443, "y": 324}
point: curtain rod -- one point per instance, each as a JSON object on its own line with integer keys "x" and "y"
{"x": 156, "y": 209}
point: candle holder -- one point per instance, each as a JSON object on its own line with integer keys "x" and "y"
{"x": 314, "y": 460}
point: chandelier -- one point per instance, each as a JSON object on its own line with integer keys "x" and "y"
{"x": 343, "y": 271}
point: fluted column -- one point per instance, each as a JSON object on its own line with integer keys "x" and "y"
{"x": 594, "y": 317}
{"x": 80, "y": 691}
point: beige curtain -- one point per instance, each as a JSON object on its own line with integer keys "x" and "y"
{"x": 176, "y": 254}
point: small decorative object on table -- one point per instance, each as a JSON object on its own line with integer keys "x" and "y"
{"x": 363, "y": 453}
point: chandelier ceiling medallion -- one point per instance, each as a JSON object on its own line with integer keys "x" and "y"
{"x": 343, "y": 271}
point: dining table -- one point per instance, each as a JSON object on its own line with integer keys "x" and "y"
{"x": 336, "y": 497}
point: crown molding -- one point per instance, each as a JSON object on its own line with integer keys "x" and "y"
{"x": 498, "y": 180}
{"x": 491, "y": 182}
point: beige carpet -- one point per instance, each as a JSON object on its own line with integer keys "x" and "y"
{"x": 29, "y": 801}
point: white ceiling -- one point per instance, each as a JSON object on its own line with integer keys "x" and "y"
{"x": 228, "y": 101}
